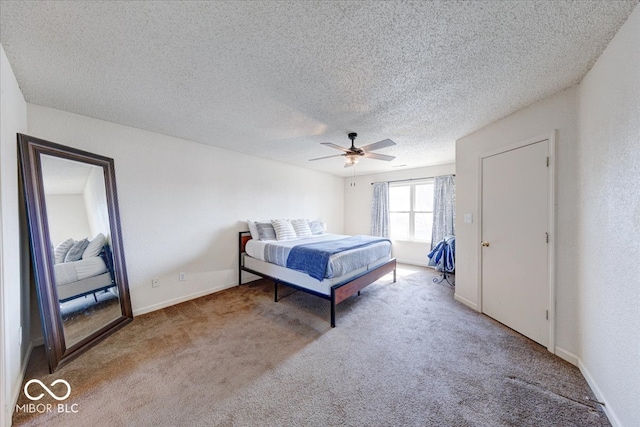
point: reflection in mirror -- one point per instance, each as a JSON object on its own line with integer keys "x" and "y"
{"x": 78, "y": 220}
{"x": 76, "y": 246}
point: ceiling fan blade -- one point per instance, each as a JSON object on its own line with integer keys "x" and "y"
{"x": 326, "y": 157}
{"x": 337, "y": 147}
{"x": 378, "y": 145}
{"x": 379, "y": 156}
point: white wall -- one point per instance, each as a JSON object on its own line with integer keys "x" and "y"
{"x": 67, "y": 217}
{"x": 556, "y": 112}
{"x": 357, "y": 204}
{"x": 608, "y": 250}
{"x": 14, "y": 292}
{"x": 95, "y": 201}
{"x": 182, "y": 203}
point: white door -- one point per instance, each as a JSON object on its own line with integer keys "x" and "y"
{"x": 515, "y": 208}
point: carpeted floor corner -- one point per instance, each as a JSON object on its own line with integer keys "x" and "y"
{"x": 402, "y": 354}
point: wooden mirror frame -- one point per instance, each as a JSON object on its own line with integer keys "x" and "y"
{"x": 30, "y": 150}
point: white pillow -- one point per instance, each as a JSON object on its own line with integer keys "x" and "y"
{"x": 284, "y": 229}
{"x": 95, "y": 247}
{"x": 317, "y": 227}
{"x": 301, "y": 227}
{"x": 253, "y": 230}
{"x": 60, "y": 252}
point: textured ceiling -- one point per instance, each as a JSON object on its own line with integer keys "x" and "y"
{"x": 275, "y": 79}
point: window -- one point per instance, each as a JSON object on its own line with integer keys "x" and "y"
{"x": 411, "y": 211}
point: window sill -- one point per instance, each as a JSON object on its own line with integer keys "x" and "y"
{"x": 421, "y": 242}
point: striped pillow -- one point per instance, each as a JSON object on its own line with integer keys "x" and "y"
{"x": 265, "y": 231}
{"x": 61, "y": 250}
{"x": 284, "y": 229}
{"x": 301, "y": 226}
{"x": 76, "y": 251}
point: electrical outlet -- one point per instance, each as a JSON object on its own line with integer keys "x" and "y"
{"x": 182, "y": 277}
{"x": 155, "y": 283}
{"x": 20, "y": 336}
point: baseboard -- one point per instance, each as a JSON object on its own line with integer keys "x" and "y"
{"x": 566, "y": 355}
{"x": 17, "y": 387}
{"x": 465, "y": 302}
{"x": 608, "y": 410}
{"x": 169, "y": 303}
{"x": 419, "y": 264}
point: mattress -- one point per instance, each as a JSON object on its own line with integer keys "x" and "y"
{"x": 303, "y": 280}
{"x": 339, "y": 264}
{"x": 70, "y": 272}
{"x": 84, "y": 286}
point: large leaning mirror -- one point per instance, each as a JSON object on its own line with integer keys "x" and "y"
{"x": 76, "y": 246}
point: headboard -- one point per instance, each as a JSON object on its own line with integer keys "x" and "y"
{"x": 243, "y": 238}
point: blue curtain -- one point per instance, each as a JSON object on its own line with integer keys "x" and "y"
{"x": 444, "y": 208}
{"x": 380, "y": 210}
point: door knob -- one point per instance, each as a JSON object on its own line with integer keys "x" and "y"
{"x": 485, "y": 244}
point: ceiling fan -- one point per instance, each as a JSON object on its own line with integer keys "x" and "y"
{"x": 353, "y": 153}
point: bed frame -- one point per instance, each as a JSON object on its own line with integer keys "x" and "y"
{"x": 94, "y": 284}
{"x": 339, "y": 292}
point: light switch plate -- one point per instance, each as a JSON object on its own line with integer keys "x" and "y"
{"x": 468, "y": 218}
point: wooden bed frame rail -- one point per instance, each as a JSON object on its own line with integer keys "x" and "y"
{"x": 339, "y": 292}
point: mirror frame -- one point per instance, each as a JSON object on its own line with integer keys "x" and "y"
{"x": 30, "y": 150}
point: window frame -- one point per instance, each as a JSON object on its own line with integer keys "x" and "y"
{"x": 412, "y": 212}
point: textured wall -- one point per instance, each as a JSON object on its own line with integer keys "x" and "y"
{"x": 182, "y": 203}
{"x": 557, "y": 112}
{"x": 609, "y": 228}
{"x": 14, "y": 293}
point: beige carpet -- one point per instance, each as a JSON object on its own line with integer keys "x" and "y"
{"x": 402, "y": 354}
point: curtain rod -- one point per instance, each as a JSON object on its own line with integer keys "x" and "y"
{"x": 415, "y": 179}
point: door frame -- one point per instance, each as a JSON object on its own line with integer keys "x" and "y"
{"x": 551, "y": 273}
{"x": 4, "y": 384}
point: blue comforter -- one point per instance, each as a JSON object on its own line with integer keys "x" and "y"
{"x": 312, "y": 258}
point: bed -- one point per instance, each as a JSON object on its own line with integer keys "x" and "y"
{"x": 91, "y": 273}
{"x": 342, "y": 278}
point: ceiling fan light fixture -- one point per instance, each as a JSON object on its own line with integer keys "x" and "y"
{"x": 352, "y": 159}
{"x": 352, "y": 154}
